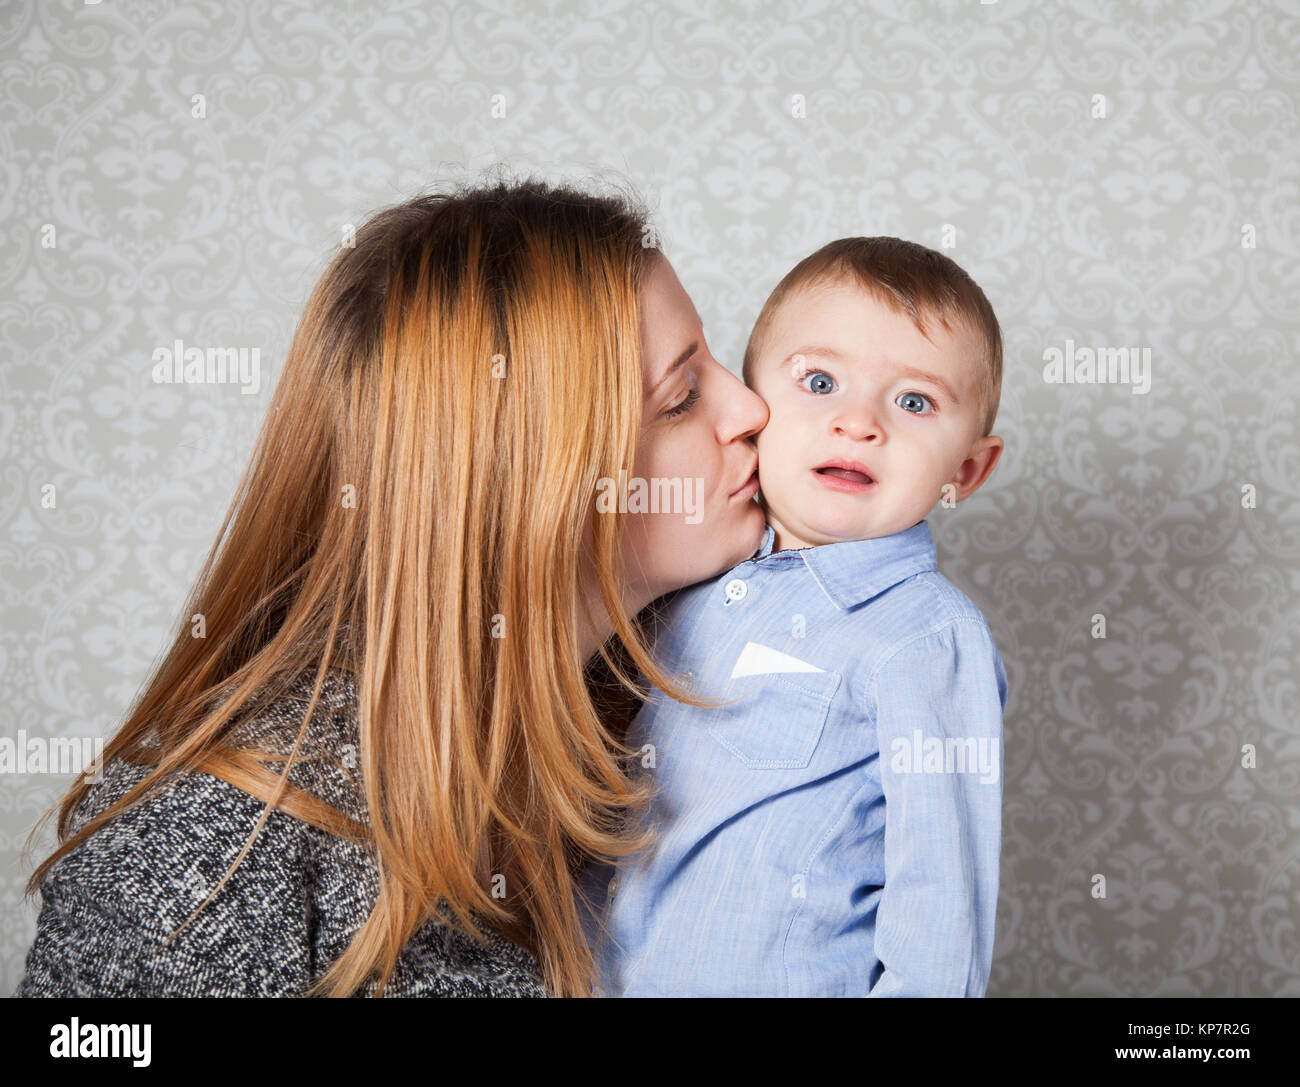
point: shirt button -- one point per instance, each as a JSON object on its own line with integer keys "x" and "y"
{"x": 735, "y": 590}
{"x": 613, "y": 888}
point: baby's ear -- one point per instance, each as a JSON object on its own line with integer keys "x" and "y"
{"x": 978, "y": 465}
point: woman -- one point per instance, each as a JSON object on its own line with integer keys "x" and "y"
{"x": 373, "y": 760}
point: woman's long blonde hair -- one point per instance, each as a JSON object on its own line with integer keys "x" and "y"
{"x": 460, "y": 379}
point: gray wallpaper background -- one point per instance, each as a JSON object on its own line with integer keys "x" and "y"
{"x": 1115, "y": 175}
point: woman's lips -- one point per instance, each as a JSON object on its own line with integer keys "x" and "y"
{"x": 747, "y": 489}
{"x": 848, "y": 480}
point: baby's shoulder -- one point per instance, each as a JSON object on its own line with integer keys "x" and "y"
{"x": 948, "y": 602}
{"x": 922, "y": 604}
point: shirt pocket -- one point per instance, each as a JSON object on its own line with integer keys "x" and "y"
{"x": 776, "y": 720}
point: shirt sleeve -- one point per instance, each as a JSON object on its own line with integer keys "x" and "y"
{"x": 939, "y": 701}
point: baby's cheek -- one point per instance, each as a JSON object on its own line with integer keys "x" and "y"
{"x": 767, "y": 445}
{"x": 778, "y": 478}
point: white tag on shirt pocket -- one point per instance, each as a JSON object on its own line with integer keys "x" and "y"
{"x": 762, "y": 660}
{"x": 777, "y": 721}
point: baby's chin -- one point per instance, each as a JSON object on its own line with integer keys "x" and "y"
{"x": 813, "y": 531}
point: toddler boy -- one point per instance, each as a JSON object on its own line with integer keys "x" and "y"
{"x": 835, "y": 829}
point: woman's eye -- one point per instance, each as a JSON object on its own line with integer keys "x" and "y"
{"x": 915, "y": 403}
{"x": 817, "y": 382}
{"x": 683, "y": 406}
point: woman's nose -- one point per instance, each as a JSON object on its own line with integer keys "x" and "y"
{"x": 746, "y": 413}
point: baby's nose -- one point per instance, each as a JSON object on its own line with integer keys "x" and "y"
{"x": 859, "y": 425}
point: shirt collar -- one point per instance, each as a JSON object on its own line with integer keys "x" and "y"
{"x": 856, "y": 570}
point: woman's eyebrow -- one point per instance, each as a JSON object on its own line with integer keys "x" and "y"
{"x": 677, "y": 363}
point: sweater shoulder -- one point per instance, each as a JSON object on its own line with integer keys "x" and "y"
{"x": 323, "y": 765}
{"x": 327, "y": 758}
{"x": 143, "y": 874}
{"x": 120, "y": 911}
{"x": 121, "y": 916}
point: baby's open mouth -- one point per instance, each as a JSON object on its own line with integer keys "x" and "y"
{"x": 846, "y": 474}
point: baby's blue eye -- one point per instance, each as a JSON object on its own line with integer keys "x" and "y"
{"x": 915, "y": 403}
{"x": 818, "y": 382}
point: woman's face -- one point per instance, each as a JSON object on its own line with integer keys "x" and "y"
{"x": 696, "y": 515}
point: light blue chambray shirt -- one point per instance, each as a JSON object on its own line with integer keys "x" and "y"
{"x": 837, "y": 831}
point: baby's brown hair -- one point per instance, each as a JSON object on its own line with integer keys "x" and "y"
{"x": 909, "y": 278}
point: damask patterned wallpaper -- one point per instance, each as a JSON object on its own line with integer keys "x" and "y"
{"x": 1121, "y": 178}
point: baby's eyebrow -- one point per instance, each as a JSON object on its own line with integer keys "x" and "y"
{"x": 924, "y": 375}
{"x": 829, "y": 352}
{"x": 905, "y": 371}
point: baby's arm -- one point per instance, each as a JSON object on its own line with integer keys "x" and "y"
{"x": 943, "y": 830}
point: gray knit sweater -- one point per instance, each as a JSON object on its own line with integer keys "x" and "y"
{"x": 286, "y": 913}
